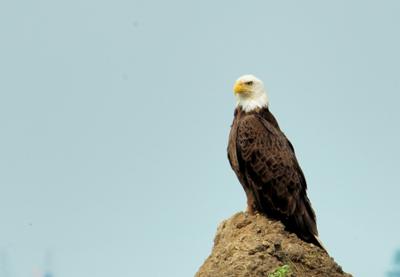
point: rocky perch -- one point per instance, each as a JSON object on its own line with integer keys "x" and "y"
{"x": 253, "y": 245}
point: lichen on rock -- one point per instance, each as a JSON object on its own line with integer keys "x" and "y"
{"x": 253, "y": 245}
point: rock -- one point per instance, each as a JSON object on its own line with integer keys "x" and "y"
{"x": 253, "y": 245}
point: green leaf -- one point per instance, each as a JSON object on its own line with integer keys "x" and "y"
{"x": 282, "y": 271}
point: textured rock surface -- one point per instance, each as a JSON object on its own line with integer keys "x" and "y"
{"x": 249, "y": 246}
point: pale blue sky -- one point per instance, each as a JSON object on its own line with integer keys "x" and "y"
{"x": 115, "y": 115}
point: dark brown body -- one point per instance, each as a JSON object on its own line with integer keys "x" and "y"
{"x": 265, "y": 164}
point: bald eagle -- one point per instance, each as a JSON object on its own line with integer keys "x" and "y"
{"x": 265, "y": 163}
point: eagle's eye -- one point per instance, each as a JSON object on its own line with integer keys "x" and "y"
{"x": 249, "y": 83}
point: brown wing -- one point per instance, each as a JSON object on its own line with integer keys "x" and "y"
{"x": 271, "y": 171}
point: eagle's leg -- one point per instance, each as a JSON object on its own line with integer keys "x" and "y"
{"x": 250, "y": 204}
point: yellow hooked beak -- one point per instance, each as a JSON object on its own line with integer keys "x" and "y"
{"x": 240, "y": 88}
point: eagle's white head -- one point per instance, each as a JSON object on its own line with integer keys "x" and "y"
{"x": 250, "y": 93}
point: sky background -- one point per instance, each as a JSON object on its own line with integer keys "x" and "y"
{"x": 115, "y": 116}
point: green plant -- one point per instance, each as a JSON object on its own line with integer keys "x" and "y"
{"x": 281, "y": 271}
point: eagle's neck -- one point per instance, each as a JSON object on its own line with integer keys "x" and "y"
{"x": 262, "y": 112}
{"x": 249, "y": 104}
